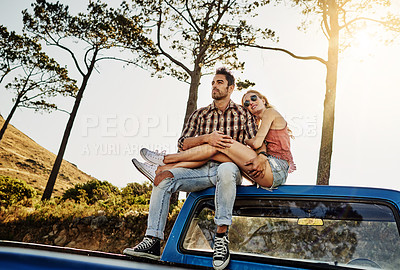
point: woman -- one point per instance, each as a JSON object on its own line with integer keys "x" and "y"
{"x": 272, "y": 140}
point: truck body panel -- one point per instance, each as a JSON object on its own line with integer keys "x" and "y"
{"x": 349, "y": 228}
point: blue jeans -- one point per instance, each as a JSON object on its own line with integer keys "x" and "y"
{"x": 224, "y": 176}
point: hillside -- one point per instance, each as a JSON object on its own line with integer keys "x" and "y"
{"x": 24, "y": 159}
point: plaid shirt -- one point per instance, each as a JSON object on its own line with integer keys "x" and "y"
{"x": 235, "y": 121}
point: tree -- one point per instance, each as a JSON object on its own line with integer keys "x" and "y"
{"x": 14, "y": 51}
{"x": 41, "y": 78}
{"x": 337, "y": 17}
{"x": 94, "y": 34}
{"x": 192, "y": 36}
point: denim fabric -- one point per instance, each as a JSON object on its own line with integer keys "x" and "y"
{"x": 224, "y": 176}
{"x": 279, "y": 169}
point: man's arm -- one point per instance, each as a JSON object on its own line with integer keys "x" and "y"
{"x": 190, "y": 135}
{"x": 217, "y": 139}
{"x": 191, "y": 142}
{"x": 189, "y": 131}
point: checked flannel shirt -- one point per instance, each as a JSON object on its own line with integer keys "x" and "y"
{"x": 235, "y": 121}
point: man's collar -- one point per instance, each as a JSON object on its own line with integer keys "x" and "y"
{"x": 231, "y": 104}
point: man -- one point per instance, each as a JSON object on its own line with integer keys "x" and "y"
{"x": 217, "y": 124}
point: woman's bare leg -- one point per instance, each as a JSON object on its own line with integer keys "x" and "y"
{"x": 240, "y": 154}
{"x": 237, "y": 152}
{"x": 201, "y": 152}
{"x": 193, "y": 164}
{"x": 163, "y": 172}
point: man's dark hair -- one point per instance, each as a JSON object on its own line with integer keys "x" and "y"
{"x": 228, "y": 75}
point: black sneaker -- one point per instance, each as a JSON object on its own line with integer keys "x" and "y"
{"x": 148, "y": 248}
{"x": 221, "y": 255}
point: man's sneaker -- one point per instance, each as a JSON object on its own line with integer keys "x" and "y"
{"x": 147, "y": 169}
{"x": 221, "y": 254}
{"x": 148, "y": 248}
{"x": 153, "y": 157}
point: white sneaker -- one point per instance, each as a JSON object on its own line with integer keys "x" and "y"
{"x": 153, "y": 157}
{"x": 147, "y": 169}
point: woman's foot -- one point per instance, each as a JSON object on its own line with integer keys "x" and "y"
{"x": 153, "y": 157}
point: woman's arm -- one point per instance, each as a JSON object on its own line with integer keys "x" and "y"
{"x": 266, "y": 121}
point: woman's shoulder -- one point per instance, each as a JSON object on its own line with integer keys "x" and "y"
{"x": 275, "y": 117}
{"x": 270, "y": 113}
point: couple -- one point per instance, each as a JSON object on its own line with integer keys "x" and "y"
{"x": 218, "y": 143}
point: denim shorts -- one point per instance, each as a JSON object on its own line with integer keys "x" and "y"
{"x": 279, "y": 169}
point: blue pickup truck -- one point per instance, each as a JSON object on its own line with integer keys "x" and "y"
{"x": 293, "y": 227}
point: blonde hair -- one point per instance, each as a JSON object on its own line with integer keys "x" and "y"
{"x": 260, "y": 96}
{"x": 267, "y": 105}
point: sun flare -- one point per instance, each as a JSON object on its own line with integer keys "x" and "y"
{"x": 364, "y": 44}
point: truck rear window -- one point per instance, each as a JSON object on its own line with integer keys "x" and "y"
{"x": 359, "y": 234}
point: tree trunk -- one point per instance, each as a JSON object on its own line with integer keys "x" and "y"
{"x": 5, "y": 125}
{"x": 191, "y": 104}
{"x": 325, "y": 154}
{"x": 57, "y": 164}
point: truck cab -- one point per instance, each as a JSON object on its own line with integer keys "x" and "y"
{"x": 294, "y": 227}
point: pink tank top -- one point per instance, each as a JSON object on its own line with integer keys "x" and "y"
{"x": 278, "y": 145}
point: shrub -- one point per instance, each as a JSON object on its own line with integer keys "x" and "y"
{"x": 91, "y": 191}
{"x": 135, "y": 193}
{"x": 14, "y": 190}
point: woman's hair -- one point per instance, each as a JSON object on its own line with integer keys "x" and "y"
{"x": 261, "y": 96}
{"x": 267, "y": 105}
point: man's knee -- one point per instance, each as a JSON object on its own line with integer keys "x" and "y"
{"x": 228, "y": 171}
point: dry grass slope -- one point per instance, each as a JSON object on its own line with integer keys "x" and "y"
{"x": 24, "y": 159}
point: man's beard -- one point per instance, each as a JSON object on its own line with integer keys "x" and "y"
{"x": 220, "y": 94}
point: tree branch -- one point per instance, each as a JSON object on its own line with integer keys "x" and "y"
{"x": 325, "y": 19}
{"x": 35, "y": 108}
{"x": 343, "y": 4}
{"x": 165, "y": 53}
{"x": 8, "y": 71}
{"x": 362, "y": 18}
{"x": 86, "y": 56}
{"x": 56, "y": 43}
{"x": 215, "y": 26}
{"x": 197, "y": 28}
{"x": 182, "y": 16}
{"x": 118, "y": 59}
{"x": 323, "y": 30}
{"x": 316, "y": 58}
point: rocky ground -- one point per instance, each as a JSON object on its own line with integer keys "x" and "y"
{"x": 101, "y": 233}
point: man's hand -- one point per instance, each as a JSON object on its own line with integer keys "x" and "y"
{"x": 257, "y": 166}
{"x": 219, "y": 139}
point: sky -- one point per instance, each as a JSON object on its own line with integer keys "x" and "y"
{"x": 125, "y": 109}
